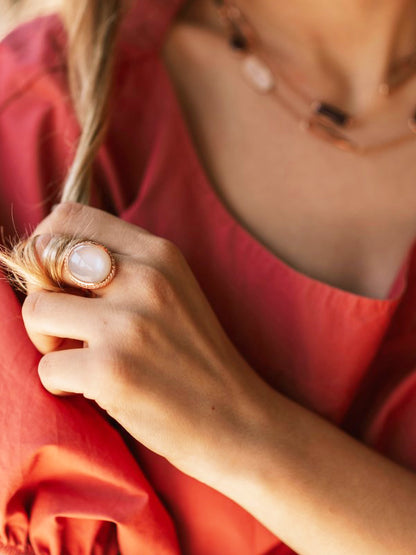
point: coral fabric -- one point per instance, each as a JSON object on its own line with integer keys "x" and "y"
{"x": 73, "y": 482}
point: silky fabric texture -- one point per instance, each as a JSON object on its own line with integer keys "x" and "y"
{"x": 72, "y": 481}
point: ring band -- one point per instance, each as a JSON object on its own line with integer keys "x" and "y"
{"x": 89, "y": 265}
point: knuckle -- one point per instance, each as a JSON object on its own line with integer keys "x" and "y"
{"x": 166, "y": 251}
{"x": 32, "y": 306}
{"x": 135, "y": 330}
{"x": 62, "y": 214}
{"x": 112, "y": 372}
{"x": 122, "y": 321}
{"x": 155, "y": 287}
{"x": 67, "y": 210}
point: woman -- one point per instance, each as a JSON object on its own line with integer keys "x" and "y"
{"x": 251, "y": 428}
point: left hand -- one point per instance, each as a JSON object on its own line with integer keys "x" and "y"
{"x": 147, "y": 348}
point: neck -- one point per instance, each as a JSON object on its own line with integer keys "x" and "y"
{"x": 351, "y": 44}
{"x": 343, "y": 49}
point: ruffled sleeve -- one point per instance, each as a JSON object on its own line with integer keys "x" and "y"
{"x": 69, "y": 483}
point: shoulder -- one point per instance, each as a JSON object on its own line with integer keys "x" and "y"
{"x": 38, "y": 127}
{"x": 30, "y": 53}
{"x": 34, "y": 100}
{"x": 36, "y": 50}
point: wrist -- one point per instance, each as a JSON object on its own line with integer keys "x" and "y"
{"x": 259, "y": 441}
{"x": 268, "y": 455}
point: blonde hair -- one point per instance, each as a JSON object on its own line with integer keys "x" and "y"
{"x": 91, "y": 28}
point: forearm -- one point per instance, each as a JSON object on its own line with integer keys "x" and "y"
{"x": 321, "y": 491}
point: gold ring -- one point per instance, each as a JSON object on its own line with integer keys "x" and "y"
{"x": 89, "y": 265}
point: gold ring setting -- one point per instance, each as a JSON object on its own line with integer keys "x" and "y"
{"x": 89, "y": 265}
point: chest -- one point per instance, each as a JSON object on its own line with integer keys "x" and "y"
{"x": 337, "y": 217}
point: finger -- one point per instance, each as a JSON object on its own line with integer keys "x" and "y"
{"x": 40, "y": 244}
{"x": 82, "y": 266}
{"x": 90, "y": 223}
{"x": 67, "y": 372}
{"x": 48, "y": 316}
{"x": 123, "y": 269}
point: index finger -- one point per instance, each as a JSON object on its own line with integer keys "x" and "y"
{"x": 78, "y": 220}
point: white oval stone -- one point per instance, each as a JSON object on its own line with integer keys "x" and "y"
{"x": 89, "y": 263}
{"x": 258, "y": 73}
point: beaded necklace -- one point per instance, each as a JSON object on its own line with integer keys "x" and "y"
{"x": 326, "y": 121}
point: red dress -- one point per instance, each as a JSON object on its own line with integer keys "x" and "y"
{"x": 72, "y": 481}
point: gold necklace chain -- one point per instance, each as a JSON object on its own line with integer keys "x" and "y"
{"x": 326, "y": 122}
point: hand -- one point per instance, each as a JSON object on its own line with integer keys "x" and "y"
{"x": 150, "y": 351}
{"x": 147, "y": 348}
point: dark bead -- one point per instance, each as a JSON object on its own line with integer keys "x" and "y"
{"x": 412, "y": 123}
{"x": 330, "y": 134}
{"x": 238, "y": 41}
{"x": 333, "y": 113}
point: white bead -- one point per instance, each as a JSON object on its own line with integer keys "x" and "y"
{"x": 89, "y": 263}
{"x": 258, "y": 74}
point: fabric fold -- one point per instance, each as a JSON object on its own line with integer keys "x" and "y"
{"x": 69, "y": 483}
